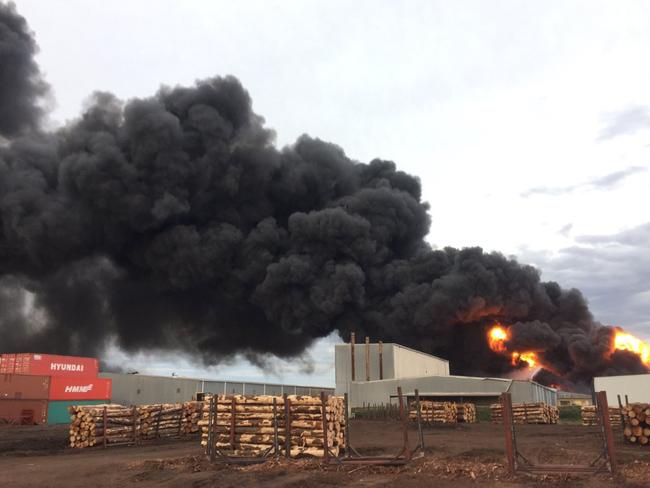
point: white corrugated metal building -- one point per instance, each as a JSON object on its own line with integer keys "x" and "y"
{"x": 635, "y": 386}
{"x": 379, "y": 370}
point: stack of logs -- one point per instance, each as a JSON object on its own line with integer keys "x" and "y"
{"x": 466, "y": 412}
{"x": 527, "y": 413}
{"x": 589, "y": 415}
{"x": 246, "y": 425}
{"x": 637, "y": 423}
{"x": 169, "y": 420}
{"x": 435, "y": 412}
{"x": 129, "y": 425}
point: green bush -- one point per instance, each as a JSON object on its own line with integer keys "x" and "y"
{"x": 483, "y": 413}
{"x": 570, "y": 414}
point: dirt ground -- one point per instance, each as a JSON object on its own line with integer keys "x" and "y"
{"x": 460, "y": 455}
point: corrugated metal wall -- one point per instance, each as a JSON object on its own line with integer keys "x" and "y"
{"x": 381, "y": 392}
{"x": 531, "y": 392}
{"x": 410, "y": 363}
{"x": 397, "y": 362}
{"x": 130, "y": 389}
{"x": 135, "y": 389}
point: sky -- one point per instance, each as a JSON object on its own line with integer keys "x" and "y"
{"x": 528, "y": 123}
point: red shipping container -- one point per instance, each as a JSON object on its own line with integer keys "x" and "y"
{"x": 24, "y": 387}
{"x": 52, "y": 365}
{"x": 7, "y": 363}
{"x": 62, "y": 388}
{"x": 23, "y": 412}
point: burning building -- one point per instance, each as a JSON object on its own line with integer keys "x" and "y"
{"x": 174, "y": 223}
{"x": 371, "y": 373}
{"x": 537, "y": 357}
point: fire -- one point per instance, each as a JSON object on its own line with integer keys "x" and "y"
{"x": 497, "y": 337}
{"x": 527, "y": 357}
{"x": 627, "y": 342}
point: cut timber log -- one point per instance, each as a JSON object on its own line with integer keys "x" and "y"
{"x": 434, "y": 412}
{"x": 247, "y": 425}
{"x": 117, "y": 424}
{"x": 636, "y": 419}
{"x": 527, "y": 413}
{"x": 589, "y": 415}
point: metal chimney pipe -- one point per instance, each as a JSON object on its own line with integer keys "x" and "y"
{"x": 367, "y": 358}
{"x": 352, "y": 354}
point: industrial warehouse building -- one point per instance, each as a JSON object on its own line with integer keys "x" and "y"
{"x": 635, "y": 386}
{"x": 571, "y": 399}
{"x": 380, "y": 368}
{"x": 138, "y": 389}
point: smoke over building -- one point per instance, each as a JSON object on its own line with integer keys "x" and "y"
{"x": 174, "y": 222}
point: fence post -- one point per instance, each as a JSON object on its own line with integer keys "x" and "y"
{"x": 233, "y": 409}
{"x": 158, "y": 421}
{"x": 347, "y": 426}
{"x": 419, "y": 418}
{"x": 214, "y": 427}
{"x": 276, "y": 445}
{"x": 135, "y": 420}
{"x": 506, "y": 409}
{"x": 180, "y": 420}
{"x": 606, "y": 427}
{"x": 404, "y": 417}
{"x": 287, "y": 426}
{"x": 105, "y": 425}
{"x": 326, "y": 449}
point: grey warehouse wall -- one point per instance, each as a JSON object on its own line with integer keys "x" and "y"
{"x": 136, "y": 389}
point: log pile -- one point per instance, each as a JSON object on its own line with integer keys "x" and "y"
{"x": 637, "y": 423}
{"x": 589, "y": 415}
{"x": 527, "y": 413}
{"x": 129, "y": 425}
{"x": 246, "y": 426}
{"x": 466, "y": 413}
{"x": 87, "y": 424}
{"x": 169, "y": 420}
{"x": 435, "y": 412}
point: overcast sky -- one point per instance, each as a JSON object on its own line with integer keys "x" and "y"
{"x": 527, "y": 122}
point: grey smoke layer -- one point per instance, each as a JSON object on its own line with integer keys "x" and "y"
{"x": 173, "y": 222}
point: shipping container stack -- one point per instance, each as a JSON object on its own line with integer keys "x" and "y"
{"x": 39, "y": 388}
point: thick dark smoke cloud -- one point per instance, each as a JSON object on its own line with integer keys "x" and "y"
{"x": 173, "y": 222}
{"x": 21, "y": 85}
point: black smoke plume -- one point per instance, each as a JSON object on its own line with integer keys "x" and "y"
{"x": 173, "y": 222}
{"x": 21, "y": 85}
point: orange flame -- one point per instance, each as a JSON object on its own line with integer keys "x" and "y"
{"x": 497, "y": 337}
{"x": 627, "y": 342}
{"x": 527, "y": 357}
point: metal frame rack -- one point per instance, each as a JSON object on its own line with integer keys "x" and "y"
{"x": 518, "y": 463}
